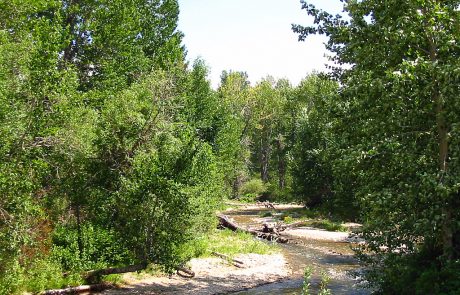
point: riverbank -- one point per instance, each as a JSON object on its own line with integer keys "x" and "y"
{"x": 212, "y": 276}
{"x": 323, "y": 250}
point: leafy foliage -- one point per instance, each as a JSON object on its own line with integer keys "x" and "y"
{"x": 398, "y": 118}
{"x": 108, "y": 141}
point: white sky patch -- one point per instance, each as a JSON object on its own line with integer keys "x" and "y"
{"x": 253, "y": 36}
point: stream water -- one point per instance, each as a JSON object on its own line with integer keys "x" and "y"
{"x": 333, "y": 258}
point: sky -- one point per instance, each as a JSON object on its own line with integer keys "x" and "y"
{"x": 254, "y": 36}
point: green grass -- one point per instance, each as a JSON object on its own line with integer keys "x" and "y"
{"x": 232, "y": 243}
{"x": 313, "y": 218}
{"x": 328, "y": 225}
{"x": 115, "y": 279}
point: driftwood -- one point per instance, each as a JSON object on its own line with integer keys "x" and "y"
{"x": 185, "y": 272}
{"x": 94, "y": 275}
{"x": 235, "y": 262}
{"x": 266, "y": 204}
{"x": 79, "y": 289}
{"x": 265, "y": 233}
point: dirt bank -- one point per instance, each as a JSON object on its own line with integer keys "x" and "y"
{"x": 213, "y": 276}
{"x": 217, "y": 276}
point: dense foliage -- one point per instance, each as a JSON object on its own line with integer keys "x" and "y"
{"x": 108, "y": 141}
{"x": 398, "y": 122}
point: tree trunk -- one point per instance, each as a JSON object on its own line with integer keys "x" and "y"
{"x": 281, "y": 162}
{"x": 265, "y": 153}
{"x": 264, "y": 173}
{"x": 236, "y": 185}
{"x": 225, "y": 222}
{"x": 79, "y": 289}
{"x": 79, "y": 233}
{"x": 443, "y": 143}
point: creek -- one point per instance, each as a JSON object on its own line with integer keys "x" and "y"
{"x": 333, "y": 258}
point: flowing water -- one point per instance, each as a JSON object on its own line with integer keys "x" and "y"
{"x": 333, "y": 258}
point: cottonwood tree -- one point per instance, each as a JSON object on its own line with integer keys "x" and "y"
{"x": 92, "y": 93}
{"x": 313, "y": 140}
{"x": 236, "y": 120}
{"x": 400, "y": 87}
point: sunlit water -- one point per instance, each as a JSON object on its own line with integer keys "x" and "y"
{"x": 335, "y": 259}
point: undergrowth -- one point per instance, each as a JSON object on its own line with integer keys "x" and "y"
{"x": 232, "y": 243}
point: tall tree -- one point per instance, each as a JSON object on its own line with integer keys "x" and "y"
{"x": 313, "y": 140}
{"x": 236, "y": 115}
{"x": 400, "y": 88}
{"x": 266, "y": 113}
{"x": 91, "y": 93}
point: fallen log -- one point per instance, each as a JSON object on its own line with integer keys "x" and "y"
{"x": 294, "y": 224}
{"x": 266, "y": 204}
{"x": 225, "y": 222}
{"x": 185, "y": 272}
{"x": 226, "y": 257}
{"x": 79, "y": 289}
{"x": 95, "y": 275}
{"x": 275, "y": 228}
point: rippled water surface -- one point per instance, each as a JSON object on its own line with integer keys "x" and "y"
{"x": 334, "y": 258}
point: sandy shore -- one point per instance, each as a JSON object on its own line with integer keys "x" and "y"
{"x": 217, "y": 276}
{"x": 317, "y": 234}
{"x": 213, "y": 276}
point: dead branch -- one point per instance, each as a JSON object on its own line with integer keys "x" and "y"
{"x": 266, "y": 204}
{"x": 185, "y": 272}
{"x": 294, "y": 224}
{"x": 234, "y": 262}
{"x": 94, "y": 275}
{"x": 44, "y": 142}
{"x": 225, "y": 222}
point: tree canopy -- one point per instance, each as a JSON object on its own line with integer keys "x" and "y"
{"x": 399, "y": 92}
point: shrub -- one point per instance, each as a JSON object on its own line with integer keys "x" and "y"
{"x": 306, "y": 280}
{"x": 277, "y": 194}
{"x": 329, "y": 225}
{"x": 414, "y": 273}
{"x": 101, "y": 247}
{"x": 254, "y": 187}
{"x": 47, "y": 273}
{"x": 248, "y": 198}
{"x": 10, "y": 277}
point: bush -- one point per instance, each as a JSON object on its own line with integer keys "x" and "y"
{"x": 168, "y": 200}
{"x": 47, "y": 273}
{"x": 277, "y": 194}
{"x": 414, "y": 273}
{"x": 329, "y": 225}
{"x": 253, "y": 188}
{"x": 10, "y": 278}
{"x": 248, "y": 198}
{"x": 101, "y": 248}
